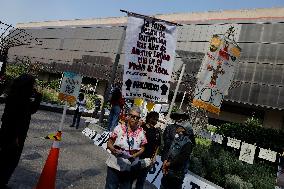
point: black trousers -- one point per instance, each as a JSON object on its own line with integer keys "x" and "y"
{"x": 9, "y": 159}
{"x": 76, "y": 118}
{"x": 170, "y": 182}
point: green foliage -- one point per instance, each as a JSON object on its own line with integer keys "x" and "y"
{"x": 252, "y": 133}
{"x": 253, "y": 122}
{"x": 235, "y": 182}
{"x": 90, "y": 101}
{"x": 15, "y": 70}
{"x": 212, "y": 162}
{"x": 51, "y": 96}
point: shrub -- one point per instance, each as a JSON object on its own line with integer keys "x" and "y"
{"x": 211, "y": 161}
{"x": 235, "y": 182}
{"x": 252, "y": 133}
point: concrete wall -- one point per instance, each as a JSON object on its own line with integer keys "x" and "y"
{"x": 231, "y": 117}
{"x": 274, "y": 119}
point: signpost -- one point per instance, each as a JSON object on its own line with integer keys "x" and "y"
{"x": 69, "y": 91}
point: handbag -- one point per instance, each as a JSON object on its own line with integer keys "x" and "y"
{"x": 280, "y": 179}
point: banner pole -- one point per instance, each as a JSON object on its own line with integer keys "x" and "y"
{"x": 182, "y": 99}
{"x": 63, "y": 116}
{"x": 113, "y": 74}
{"x": 176, "y": 90}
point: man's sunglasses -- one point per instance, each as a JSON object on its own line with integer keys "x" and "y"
{"x": 134, "y": 117}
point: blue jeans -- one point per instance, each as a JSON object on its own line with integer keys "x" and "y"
{"x": 113, "y": 117}
{"x": 117, "y": 179}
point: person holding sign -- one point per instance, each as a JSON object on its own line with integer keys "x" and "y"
{"x": 126, "y": 144}
{"x": 22, "y": 101}
{"x": 148, "y": 157}
{"x": 80, "y": 108}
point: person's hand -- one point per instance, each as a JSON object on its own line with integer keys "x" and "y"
{"x": 116, "y": 152}
{"x": 166, "y": 166}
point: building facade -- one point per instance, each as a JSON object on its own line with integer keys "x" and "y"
{"x": 90, "y": 47}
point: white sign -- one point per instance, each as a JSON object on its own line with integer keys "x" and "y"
{"x": 217, "y": 138}
{"x": 70, "y": 86}
{"x": 101, "y": 139}
{"x": 267, "y": 155}
{"x": 150, "y": 51}
{"x": 155, "y": 174}
{"x": 205, "y": 134}
{"x": 191, "y": 181}
{"x": 235, "y": 143}
{"x": 247, "y": 153}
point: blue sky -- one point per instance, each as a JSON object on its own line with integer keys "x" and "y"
{"x": 17, "y": 11}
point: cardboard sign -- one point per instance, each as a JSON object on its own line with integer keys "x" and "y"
{"x": 70, "y": 87}
{"x": 149, "y": 56}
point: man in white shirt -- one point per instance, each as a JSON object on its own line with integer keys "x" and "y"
{"x": 80, "y": 107}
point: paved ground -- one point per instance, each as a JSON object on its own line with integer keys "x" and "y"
{"x": 81, "y": 163}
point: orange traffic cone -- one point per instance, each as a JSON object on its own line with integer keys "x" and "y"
{"x": 48, "y": 174}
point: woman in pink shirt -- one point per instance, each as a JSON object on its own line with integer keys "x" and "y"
{"x": 126, "y": 143}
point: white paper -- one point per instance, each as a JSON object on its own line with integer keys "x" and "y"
{"x": 247, "y": 153}
{"x": 235, "y": 143}
{"x": 267, "y": 155}
{"x": 217, "y": 138}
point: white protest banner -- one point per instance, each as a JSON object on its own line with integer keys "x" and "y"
{"x": 235, "y": 143}
{"x": 191, "y": 181}
{"x": 267, "y": 154}
{"x": 247, "y": 153}
{"x": 155, "y": 174}
{"x": 70, "y": 86}
{"x": 150, "y": 51}
{"x": 216, "y": 74}
{"x": 101, "y": 139}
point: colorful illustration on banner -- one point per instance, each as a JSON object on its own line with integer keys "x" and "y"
{"x": 70, "y": 87}
{"x": 216, "y": 72}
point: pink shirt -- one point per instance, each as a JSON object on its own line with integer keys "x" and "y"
{"x": 136, "y": 139}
